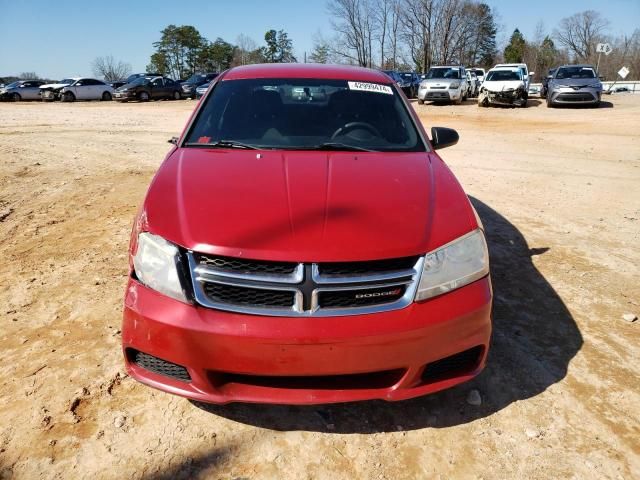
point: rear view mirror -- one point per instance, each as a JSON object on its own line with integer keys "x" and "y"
{"x": 443, "y": 137}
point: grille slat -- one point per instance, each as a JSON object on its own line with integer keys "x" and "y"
{"x": 296, "y": 289}
{"x": 241, "y": 265}
{"x": 220, "y": 292}
{"x": 358, "y": 298}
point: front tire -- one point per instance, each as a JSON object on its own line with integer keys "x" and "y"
{"x": 420, "y": 102}
{"x": 144, "y": 97}
{"x": 176, "y": 95}
{"x": 15, "y": 97}
{"x": 68, "y": 97}
{"x": 106, "y": 96}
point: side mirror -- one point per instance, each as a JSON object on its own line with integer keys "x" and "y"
{"x": 173, "y": 140}
{"x": 443, "y": 137}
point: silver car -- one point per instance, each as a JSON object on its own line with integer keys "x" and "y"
{"x": 21, "y": 90}
{"x": 444, "y": 84}
{"x": 574, "y": 85}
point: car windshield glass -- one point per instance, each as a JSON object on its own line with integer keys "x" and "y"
{"x": 13, "y": 85}
{"x": 195, "y": 78}
{"x": 139, "y": 81}
{"x": 407, "y": 76}
{"x": 67, "y": 80}
{"x": 305, "y": 114}
{"x": 449, "y": 73}
{"x": 575, "y": 72}
{"x": 503, "y": 75}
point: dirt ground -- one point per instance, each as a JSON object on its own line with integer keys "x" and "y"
{"x": 559, "y": 193}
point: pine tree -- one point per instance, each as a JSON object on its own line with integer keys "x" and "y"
{"x": 514, "y": 52}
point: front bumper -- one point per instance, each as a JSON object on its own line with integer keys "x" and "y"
{"x": 233, "y": 357}
{"x": 569, "y": 96}
{"x": 125, "y": 96}
{"x": 439, "y": 95}
{"x": 506, "y": 97}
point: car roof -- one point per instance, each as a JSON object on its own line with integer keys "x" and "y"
{"x": 580, "y": 65}
{"x": 446, "y": 66}
{"x": 307, "y": 70}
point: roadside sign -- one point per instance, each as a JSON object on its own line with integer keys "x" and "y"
{"x": 604, "y": 48}
{"x": 623, "y": 72}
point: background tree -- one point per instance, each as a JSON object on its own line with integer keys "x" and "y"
{"x": 483, "y": 51}
{"x": 28, "y": 76}
{"x": 159, "y": 64}
{"x": 321, "y": 53}
{"x": 279, "y": 48}
{"x": 180, "y": 51}
{"x": 515, "y": 50}
{"x": 353, "y": 22}
{"x": 246, "y": 51}
{"x": 110, "y": 69}
{"x": 581, "y": 32}
{"x": 215, "y": 56}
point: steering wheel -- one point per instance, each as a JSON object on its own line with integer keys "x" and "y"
{"x": 347, "y": 127}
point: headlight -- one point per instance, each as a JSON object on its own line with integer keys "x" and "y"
{"x": 454, "y": 265}
{"x": 454, "y": 85}
{"x": 155, "y": 263}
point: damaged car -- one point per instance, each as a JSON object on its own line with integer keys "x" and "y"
{"x": 52, "y": 91}
{"x": 504, "y": 86}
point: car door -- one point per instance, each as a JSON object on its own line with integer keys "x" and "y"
{"x": 29, "y": 90}
{"x": 169, "y": 87}
{"x": 157, "y": 88}
{"x": 79, "y": 89}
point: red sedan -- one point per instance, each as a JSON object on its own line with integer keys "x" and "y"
{"x": 303, "y": 243}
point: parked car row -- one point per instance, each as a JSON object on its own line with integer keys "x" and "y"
{"x": 139, "y": 86}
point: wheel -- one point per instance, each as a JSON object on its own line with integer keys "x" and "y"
{"x": 106, "y": 96}
{"x": 15, "y": 97}
{"x": 176, "y": 95}
{"x": 68, "y": 97}
{"x": 421, "y": 102}
{"x": 458, "y": 101}
{"x": 144, "y": 97}
{"x": 549, "y": 102}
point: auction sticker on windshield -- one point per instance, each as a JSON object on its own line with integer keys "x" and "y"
{"x": 370, "y": 87}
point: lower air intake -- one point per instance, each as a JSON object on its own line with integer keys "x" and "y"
{"x": 452, "y": 366}
{"x": 159, "y": 366}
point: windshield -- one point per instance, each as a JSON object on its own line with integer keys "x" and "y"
{"x": 575, "y": 72}
{"x": 503, "y": 75}
{"x": 479, "y": 73}
{"x": 14, "y": 84}
{"x": 139, "y": 81}
{"x": 306, "y": 114}
{"x": 407, "y": 76}
{"x": 196, "y": 78}
{"x": 67, "y": 80}
{"x": 449, "y": 73}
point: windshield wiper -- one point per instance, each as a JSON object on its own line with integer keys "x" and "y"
{"x": 338, "y": 146}
{"x": 222, "y": 144}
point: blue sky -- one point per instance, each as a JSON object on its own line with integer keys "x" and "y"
{"x": 61, "y": 38}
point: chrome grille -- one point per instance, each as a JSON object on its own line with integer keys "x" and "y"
{"x": 303, "y": 289}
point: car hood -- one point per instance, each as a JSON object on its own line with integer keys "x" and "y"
{"x": 55, "y": 85}
{"x": 305, "y": 206}
{"x": 576, "y": 82}
{"x": 503, "y": 85}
